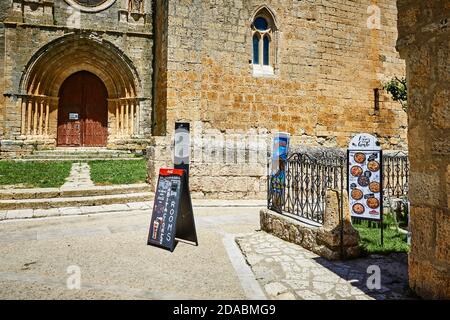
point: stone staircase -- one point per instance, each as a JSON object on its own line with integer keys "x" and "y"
{"x": 74, "y": 154}
{"x": 48, "y": 198}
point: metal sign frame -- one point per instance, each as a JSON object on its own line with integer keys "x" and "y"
{"x": 373, "y": 147}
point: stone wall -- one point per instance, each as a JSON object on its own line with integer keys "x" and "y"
{"x": 235, "y": 176}
{"x": 323, "y": 240}
{"x": 328, "y": 64}
{"x": 159, "y": 122}
{"x": 424, "y": 30}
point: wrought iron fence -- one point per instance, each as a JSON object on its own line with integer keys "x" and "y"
{"x": 301, "y": 191}
{"x": 396, "y": 175}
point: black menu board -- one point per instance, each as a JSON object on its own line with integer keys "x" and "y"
{"x": 173, "y": 217}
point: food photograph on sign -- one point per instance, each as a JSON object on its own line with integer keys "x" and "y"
{"x": 365, "y": 184}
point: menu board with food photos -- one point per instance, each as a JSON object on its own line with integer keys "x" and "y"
{"x": 365, "y": 178}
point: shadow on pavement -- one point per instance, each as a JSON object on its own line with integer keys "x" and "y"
{"x": 362, "y": 274}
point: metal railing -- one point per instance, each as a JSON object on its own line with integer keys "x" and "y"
{"x": 306, "y": 181}
{"x": 301, "y": 191}
{"x": 396, "y": 175}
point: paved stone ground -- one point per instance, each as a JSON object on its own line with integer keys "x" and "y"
{"x": 287, "y": 271}
{"x": 80, "y": 176}
{"x": 115, "y": 262}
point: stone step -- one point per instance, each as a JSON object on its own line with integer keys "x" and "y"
{"x": 125, "y": 207}
{"x": 93, "y": 151}
{"x": 106, "y": 153}
{"x": 81, "y": 154}
{"x": 48, "y": 193}
{"x": 81, "y": 150}
{"x": 48, "y": 203}
{"x": 75, "y": 211}
{"x": 75, "y": 159}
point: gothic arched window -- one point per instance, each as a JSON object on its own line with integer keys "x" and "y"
{"x": 263, "y": 35}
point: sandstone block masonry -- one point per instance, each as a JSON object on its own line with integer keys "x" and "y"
{"x": 326, "y": 61}
{"x": 213, "y": 179}
{"x": 42, "y": 43}
{"x": 424, "y": 33}
{"x": 323, "y": 240}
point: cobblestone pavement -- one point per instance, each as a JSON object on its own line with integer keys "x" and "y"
{"x": 80, "y": 176}
{"x": 287, "y": 271}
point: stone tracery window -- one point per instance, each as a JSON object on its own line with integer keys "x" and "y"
{"x": 263, "y": 41}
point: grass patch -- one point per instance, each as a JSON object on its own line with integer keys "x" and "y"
{"x": 34, "y": 174}
{"x": 370, "y": 242}
{"x": 118, "y": 172}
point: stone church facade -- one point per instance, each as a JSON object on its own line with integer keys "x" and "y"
{"x": 119, "y": 73}
{"x": 75, "y": 73}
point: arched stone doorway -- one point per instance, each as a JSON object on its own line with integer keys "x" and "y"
{"x": 44, "y": 83}
{"x": 83, "y": 111}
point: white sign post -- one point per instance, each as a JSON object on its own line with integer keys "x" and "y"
{"x": 365, "y": 179}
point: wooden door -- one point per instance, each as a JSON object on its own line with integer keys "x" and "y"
{"x": 70, "y": 107}
{"x": 95, "y": 118}
{"x": 83, "y": 112}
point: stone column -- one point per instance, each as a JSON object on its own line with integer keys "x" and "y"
{"x": 41, "y": 117}
{"x": 23, "y": 104}
{"x": 47, "y": 115}
{"x": 122, "y": 118}
{"x": 132, "y": 118}
{"x": 127, "y": 116}
{"x": 117, "y": 129}
{"x": 423, "y": 41}
{"x": 29, "y": 111}
{"x": 35, "y": 116}
{"x": 138, "y": 118}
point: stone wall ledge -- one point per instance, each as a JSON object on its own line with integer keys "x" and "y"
{"x": 16, "y": 24}
{"x": 321, "y": 240}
